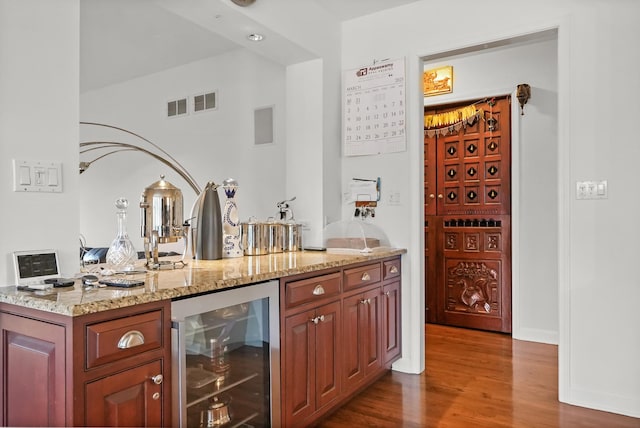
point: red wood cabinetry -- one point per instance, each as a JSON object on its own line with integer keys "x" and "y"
{"x": 339, "y": 328}
{"x": 111, "y": 368}
{"x": 390, "y": 317}
{"x": 340, "y": 331}
{"x": 33, "y": 358}
{"x": 362, "y": 328}
{"x": 311, "y": 376}
{"x": 127, "y": 398}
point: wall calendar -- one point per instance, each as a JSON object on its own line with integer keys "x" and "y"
{"x": 374, "y": 109}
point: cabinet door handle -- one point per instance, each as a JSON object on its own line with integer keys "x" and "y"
{"x": 365, "y": 276}
{"x": 130, "y": 339}
{"x": 318, "y": 290}
{"x": 156, "y": 396}
{"x": 157, "y": 379}
{"x": 387, "y": 293}
{"x": 440, "y": 196}
{"x": 317, "y": 319}
{"x": 432, "y": 196}
{"x": 365, "y": 301}
{"x": 393, "y": 269}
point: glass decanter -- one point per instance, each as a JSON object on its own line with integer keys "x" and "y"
{"x": 121, "y": 255}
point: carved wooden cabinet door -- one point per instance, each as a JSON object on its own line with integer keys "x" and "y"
{"x": 468, "y": 219}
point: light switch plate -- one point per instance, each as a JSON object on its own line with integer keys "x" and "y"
{"x": 592, "y": 189}
{"x": 37, "y": 176}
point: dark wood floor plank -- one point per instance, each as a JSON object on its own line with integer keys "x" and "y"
{"x": 473, "y": 379}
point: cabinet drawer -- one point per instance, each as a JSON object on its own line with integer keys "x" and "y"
{"x": 113, "y": 340}
{"x": 363, "y": 275}
{"x": 310, "y": 289}
{"x": 391, "y": 268}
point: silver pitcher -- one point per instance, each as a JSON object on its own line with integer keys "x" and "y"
{"x": 207, "y": 233}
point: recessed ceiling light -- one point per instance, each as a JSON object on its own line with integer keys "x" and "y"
{"x": 255, "y": 37}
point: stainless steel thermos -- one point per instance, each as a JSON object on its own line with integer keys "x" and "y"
{"x": 207, "y": 234}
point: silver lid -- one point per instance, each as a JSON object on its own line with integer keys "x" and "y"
{"x": 229, "y": 182}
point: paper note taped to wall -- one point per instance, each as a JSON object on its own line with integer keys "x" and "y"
{"x": 363, "y": 190}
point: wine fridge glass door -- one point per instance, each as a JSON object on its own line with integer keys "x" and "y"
{"x": 225, "y": 350}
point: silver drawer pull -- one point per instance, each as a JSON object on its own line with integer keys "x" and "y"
{"x": 319, "y": 290}
{"x": 365, "y": 277}
{"x": 130, "y": 339}
{"x": 321, "y": 318}
{"x": 157, "y": 379}
{"x": 393, "y": 269}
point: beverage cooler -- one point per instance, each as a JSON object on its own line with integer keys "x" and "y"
{"x": 226, "y": 358}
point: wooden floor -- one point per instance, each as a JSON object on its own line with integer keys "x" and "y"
{"x": 473, "y": 379}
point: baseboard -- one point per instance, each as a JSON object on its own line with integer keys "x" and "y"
{"x": 405, "y": 365}
{"x": 623, "y": 405}
{"x": 536, "y": 335}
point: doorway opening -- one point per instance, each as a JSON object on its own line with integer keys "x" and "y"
{"x": 492, "y": 70}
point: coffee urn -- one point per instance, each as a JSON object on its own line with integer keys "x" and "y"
{"x": 161, "y": 218}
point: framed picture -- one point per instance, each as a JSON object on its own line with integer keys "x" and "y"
{"x": 438, "y": 81}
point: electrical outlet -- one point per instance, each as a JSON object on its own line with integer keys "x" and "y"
{"x": 394, "y": 198}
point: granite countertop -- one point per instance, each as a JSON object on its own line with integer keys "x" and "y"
{"x": 199, "y": 276}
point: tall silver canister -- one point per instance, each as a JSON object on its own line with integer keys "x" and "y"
{"x": 291, "y": 236}
{"x": 253, "y": 237}
{"x": 275, "y": 236}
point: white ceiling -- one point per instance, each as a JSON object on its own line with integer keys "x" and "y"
{"x": 344, "y": 10}
{"x": 125, "y": 39}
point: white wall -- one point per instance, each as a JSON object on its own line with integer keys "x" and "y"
{"x": 313, "y": 116}
{"x": 598, "y": 343}
{"x": 498, "y": 71}
{"x": 304, "y": 172}
{"x": 313, "y": 151}
{"x": 38, "y": 116}
{"x": 211, "y": 145}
